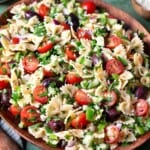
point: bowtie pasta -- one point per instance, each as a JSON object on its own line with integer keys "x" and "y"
{"x": 74, "y": 75}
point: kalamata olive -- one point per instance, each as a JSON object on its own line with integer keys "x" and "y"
{"x": 141, "y": 92}
{"x": 95, "y": 60}
{"x": 5, "y": 96}
{"x": 112, "y": 114}
{"x": 119, "y": 21}
{"x": 126, "y": 26}
{"x": 56, "y": 125}
{"x": 62, "y": 143}
{"x": 29, "y": 14}
{"x": 73, "y": 21}
{"x": 47, "y": 81}
{"x": 56, "y": 22}
{"x": 104, "y": 60}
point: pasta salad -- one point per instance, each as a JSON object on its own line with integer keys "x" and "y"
{"x": 74, "y": 76}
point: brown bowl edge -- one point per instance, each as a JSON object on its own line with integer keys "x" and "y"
{"x": 133, "y": 23}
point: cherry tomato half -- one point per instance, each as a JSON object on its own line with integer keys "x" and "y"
{"x": 48, "y": 73}
{"x": 4, "y": 69}
{"x": 113, "y": 41}
{"x": 3, "y": 84}
{"x": 44, "y": 10}
{"x": 112, "y": 98}
{"x": 84, "y": 34}
{"x": 80, "y": 121}
{"x": 40, "y": 94}
{"x": 71, "y": 55}
{"x": 15, "y": 110}
{"x": 45, "y": 48}
{"x": 141, "y": 107}
{"x": 82, "y": 98}
{"x": 89, "y": 6}
{"x": 15, "y": 40}
{"x": 114, "y": 66}
{"x": 72, "y": 78}
{"x": 65, "y": 26}
{"x": 30, "y": 63}
{"x": 29, "y": 115}
{"x": 112, "y": 134}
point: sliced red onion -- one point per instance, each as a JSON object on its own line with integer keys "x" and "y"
{"x": 95, "y": 60}
{"x": 119, "y": 125}
{"x": 71, "y": 143}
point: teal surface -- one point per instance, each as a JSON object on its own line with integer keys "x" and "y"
{"x": 127, "y": 7}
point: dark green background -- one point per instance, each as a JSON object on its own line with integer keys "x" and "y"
{"x": 122, "y": 4}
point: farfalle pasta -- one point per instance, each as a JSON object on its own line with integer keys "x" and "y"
{"x": 76, "y": 78}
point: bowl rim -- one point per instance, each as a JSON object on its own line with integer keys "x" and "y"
{"x": 116, "y": 12}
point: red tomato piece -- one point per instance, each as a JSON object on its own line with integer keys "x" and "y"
{"x": 15, "y": 110}
{"x": 141, "y": 107}
{"x": 40, "y": 94}
{"x": 44, "y": 10}
{"x": 72, "y": 78}
{"x": 80, "y": 121}
{"x": 15, "y": 40}
{"x": 29, "y": 115}
{"x": 89, "y": 6}
{"x": 82, "y": 98}
{"x": 113, "y": 41}
{"x": 114, "y": 66}
{"x": 112, "y": 98}
{"x": 112, "y": 134}
{"x": 65, "y": 26}
{"x": 30, "y": 63}
{"x": 3, "y": 84}
{"x": 71, "y": 55}
{"x": 45, "y": 48}
{"x": 4, "y": 69}
{"x": 48, "y": 73}
{"x": 84, "y": 34}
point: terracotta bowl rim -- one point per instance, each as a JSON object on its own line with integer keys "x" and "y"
{"x": 113, "y": 11}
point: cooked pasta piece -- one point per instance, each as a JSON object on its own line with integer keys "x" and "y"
{"x": 126, "y": 107}
{"x": 37, "y": 133}
{"x": 69, "y": 89}
{"x": 86, "y": 84}
{"x": 120, "y": 51}
{"x": 138, "y": 59}
{"x": 137, "y": 44}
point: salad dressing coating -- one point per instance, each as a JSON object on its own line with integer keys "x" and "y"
{"x": 74, "y": 75}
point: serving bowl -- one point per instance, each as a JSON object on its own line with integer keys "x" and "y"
{"x": 134, "y": 25}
